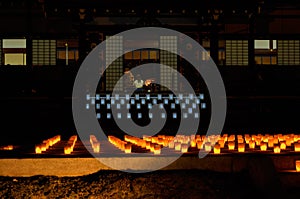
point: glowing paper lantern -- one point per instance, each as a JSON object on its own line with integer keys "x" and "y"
{"x": 207, "y": 146}
{"x": 252, "y": 144}
{"x": 184, "y": 148}
{"x": 38, "y": 149}
{"x": 67, "y": 150}
{"x": 217, "y": 149}
{"x": 193, "y": 143}
{"x": 240, "y": 140}
{"x": 8, "y": 147}
{"x": 289, "y": 141}
{"x": 128, "y": 148}
{"x": 276, "y": 149}
{"x": 199, "y": 144}
{"x": 247, "y": 139}
{"x": 221, "y": 143}
{"x": 171, "y": 144}
{"x": 241, "y": 147}
{"x": 297, "y": 147}
{"x": 231, "y": 145}
{"x": 282, "y": 145}
{"x": 263, "y": 146}
{"x": 157, "y": 149}
{"x": 96, "y": 147}
{"x": 271, "y": 143}
{"x": 177, "y": 146}
{"x": 298, "y": 165}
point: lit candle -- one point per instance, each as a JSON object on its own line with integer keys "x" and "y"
{"x": 157, "y": 149}
{"x": 207, "y": 146}
{"x": 263, "y": 146}
{"x": 240, "y": 140}
{"x": 9, "y": 147}
{"x": 282, "y": 145}
{"x": 217, "y": 149}
{"x": 38, "y": 149}
{"x": 177, "y": 146}
{"x": 96, "y": 147}
{"x": 231, "y": 145}
{"x": 252, "y": 144}
{"x": 271, "y": 143}
{"x": 171, "y": 144}
{"x": 276, "y": 149}
{"x": 67, "y": 150}
{"x": 199, "y": 144}
{"x": 221, "y": 143}
{"x": 297, "y": 147}
{"x": 241, "y": 147}
{"x": 193, "y": 143}
{"x": 289, "y": 141}
{"x": 184, "y": 148}
{"x": 298, "y": 165}
{"x": 128, "y": 148}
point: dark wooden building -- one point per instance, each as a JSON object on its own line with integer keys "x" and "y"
{"x": 254, "y": 43}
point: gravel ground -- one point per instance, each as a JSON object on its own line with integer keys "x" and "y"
{"x": 160, "y": 184}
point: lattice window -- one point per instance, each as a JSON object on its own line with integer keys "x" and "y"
{"x": 44, "y": 52}
{"x": 288, "y": 52}
{"x": 168, "y": 57}
{"x": 114, "y": 46}
{"x": 236, "y": 52}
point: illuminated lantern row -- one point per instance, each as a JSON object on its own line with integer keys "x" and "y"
{"x": 95, "y": 144}
{"x": 7, "y": 148}
{"x": 151, "y": 143}
{"x": 120, "y": 144}
{"x": 68, "y": 149}
{"x": 137, "y": 141}
{"x": 163, "y": 140}
{"x": 217, "y": 143}
{"x": 46, "y": 144}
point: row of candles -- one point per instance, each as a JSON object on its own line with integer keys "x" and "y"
{"x": 152, "y": 145}
{"x": 7, "y": 147}
{"x": 95, "y": 144}
{"x": 46, "y": 144}
{"x": 68, "y": 149}
{"x": 122, "y": 145}
{"x": 216, "y": 143}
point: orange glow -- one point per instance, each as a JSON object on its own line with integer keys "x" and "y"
{"x": 217, "y": 149}
{"x": 282, "y": 145}
{"x": 263, "y": 146}
{"x": 127, "y": 148}
{"x": 95, "y": 144}
{"x": 68, "y": 149}
{"x": 271, "y": 143}
{"x": 171, "y": 144}
{"x": 276, "y": 149}
{"x": 199, "y": 144}
{"x": 231, "y": 145}
{"x": 221, "y": 143}
{"x": 298, "y": 165}
{"x": 38, "y": 149}
{"x": 297, "y": 147}
{"x": 184, "y": 148}
{"x": 8, "y": 147}
{"x": 241, "y": 147}
{"x": 252, "y": 144}
{"x": 177, "y": 146}
{"x": 207, "y": 146}
{"x": 157, "y": 149}
{"x": 193, "y": 143}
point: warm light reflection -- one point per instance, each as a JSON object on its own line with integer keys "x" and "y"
{"x": 298, "y": 165}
